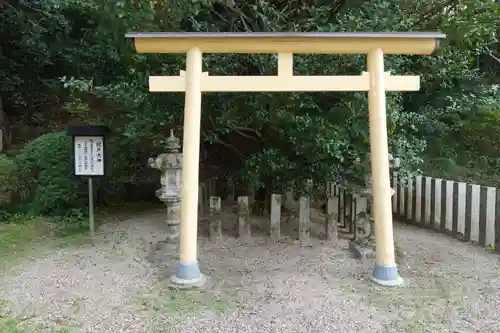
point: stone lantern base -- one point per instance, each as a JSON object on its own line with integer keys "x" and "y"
{"x": 173, "y": 221}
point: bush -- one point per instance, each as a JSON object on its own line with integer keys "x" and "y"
{"x": 8, "y": 180}
{"x": 48, "y": 187}
{"x": 44, "y": 166}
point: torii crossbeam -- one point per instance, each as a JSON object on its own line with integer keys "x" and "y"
{"x": 284, "y": 81}
{"x": 375, "y": 81}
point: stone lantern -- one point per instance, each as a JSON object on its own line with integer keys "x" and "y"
{"x": 170, "y": 166}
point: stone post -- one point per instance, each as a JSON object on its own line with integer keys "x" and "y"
{"x": 304, "y": 226}
{"x": 275, "y": 217}
{"x": 170, "y": 166}
{"x": 304, "y": 219}
{"x": 331, "y": 227}
{"x": 215, "y": 223}
{"x": 244, "y": 227}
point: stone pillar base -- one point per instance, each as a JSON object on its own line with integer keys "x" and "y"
{"x": 188, "y": 276}
{"x": 386, "y": 275}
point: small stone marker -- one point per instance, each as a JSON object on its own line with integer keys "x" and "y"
{"x": 216, "y": 222}
{"x": 304, "y": 219}
{"x": 244, "y": 230}
{"x": 275, "y": 217}
{"x": 331, "y": 228}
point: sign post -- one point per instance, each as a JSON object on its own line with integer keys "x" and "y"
{"x": 88, "y": 158}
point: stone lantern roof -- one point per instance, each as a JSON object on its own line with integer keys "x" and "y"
{"x": 172, "y": 143}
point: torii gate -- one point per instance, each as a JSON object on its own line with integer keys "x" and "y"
{"x": 376, "y": 82}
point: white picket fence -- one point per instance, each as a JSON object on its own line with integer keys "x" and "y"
{"x": 467, "y": 211}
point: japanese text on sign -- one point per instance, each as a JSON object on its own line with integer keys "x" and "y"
{"x": 89, "y": 156}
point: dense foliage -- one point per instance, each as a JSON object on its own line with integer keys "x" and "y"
{"x": 68, "y": 60}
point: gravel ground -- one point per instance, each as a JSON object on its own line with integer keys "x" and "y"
{"x": 118, "y": 285}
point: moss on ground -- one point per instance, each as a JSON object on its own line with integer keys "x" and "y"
{"x": 10, "y": 324}
{"x": 30, "y": 238}
{"x": 172, "y": 302}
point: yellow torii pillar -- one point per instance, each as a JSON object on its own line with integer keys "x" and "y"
{"x": 376, "y": 82}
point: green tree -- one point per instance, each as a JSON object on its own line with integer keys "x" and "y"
{"x": 74, "y": 54}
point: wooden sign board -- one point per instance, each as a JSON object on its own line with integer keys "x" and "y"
{"x": 88, "y": 149}
{"x": 88, "y": 158}
{"x": 89, "y": 155}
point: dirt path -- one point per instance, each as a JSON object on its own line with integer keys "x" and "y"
{"x": 118, "y": 285}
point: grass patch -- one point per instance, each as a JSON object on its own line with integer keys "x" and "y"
{"x": 425, "y": 306}
{"x": 172, "y": 302}
{"x": 415, "y": 327}
{"x": 24, "y": 238}
{"x": 12, "y": 325}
